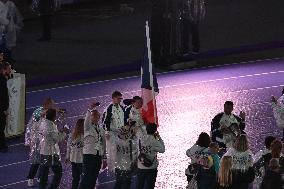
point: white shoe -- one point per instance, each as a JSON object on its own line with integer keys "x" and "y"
{"x": 31, "y": 182}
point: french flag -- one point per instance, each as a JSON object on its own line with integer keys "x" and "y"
{"x": 149, "y": 85}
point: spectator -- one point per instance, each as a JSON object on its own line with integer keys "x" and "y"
{"x": 156, "y": 25}
{"x": 149, "y": 146}
{"x": 45, "y": 9}
{"x": 4, "y": 105}
{"x": 10, "y": 71}
{"x": 193, "y": 11}
{"x": 165, "y": 32}
{"x": 11, "y": 22}
{"x": 74, "y": 152}
{"x": 7, "y": 70}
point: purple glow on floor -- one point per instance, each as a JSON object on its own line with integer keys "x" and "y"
{"x": 187, "y": 102}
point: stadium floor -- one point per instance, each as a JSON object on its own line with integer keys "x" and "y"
{"x": 187, "y": 102}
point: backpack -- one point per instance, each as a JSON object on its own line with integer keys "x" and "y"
{"x": 204, "y": 166}
{"x": 144, "y": 158}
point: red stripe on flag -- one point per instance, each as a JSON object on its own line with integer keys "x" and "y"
{"x": 148, "y": 111}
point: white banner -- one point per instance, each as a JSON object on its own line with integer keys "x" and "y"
{"x": 16, "y": 112}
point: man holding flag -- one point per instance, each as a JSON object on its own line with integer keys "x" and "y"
{"x": 149, "y": 85}
{"x": 151, "y": 143}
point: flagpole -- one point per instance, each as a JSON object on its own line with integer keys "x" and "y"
{"x": 151, "y": 70}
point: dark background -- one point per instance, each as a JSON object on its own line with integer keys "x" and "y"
{"x": 231, "y": 23}
{"x": 97, "y": 37}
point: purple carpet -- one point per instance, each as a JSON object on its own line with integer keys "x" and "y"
{"x": 187, "y": 102}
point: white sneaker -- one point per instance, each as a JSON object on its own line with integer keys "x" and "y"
{"x": 31, "y": 182}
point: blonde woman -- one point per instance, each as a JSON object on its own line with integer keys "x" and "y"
{"x": 225, "y": 173}
{"x": 230, "y": 179}
{"x": 241, "y": 155}
{"x": 74, "y": 152}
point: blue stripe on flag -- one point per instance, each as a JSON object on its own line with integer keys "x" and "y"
{"x": 146, "y": 73}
